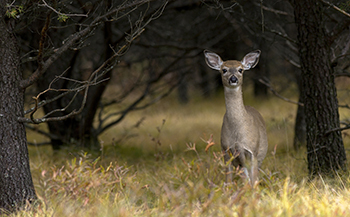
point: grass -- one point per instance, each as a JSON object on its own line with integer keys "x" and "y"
{"x": 162, "y": 168}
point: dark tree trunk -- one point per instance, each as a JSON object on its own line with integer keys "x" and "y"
{"x": 16, "y": 185}
{"x": 325, "y": 151}
{"x": 205, "y": 80}
{"x": 300, "y": 125}
{"x": 182, "y": 91}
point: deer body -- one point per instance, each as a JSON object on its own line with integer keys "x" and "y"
{"x": 243, "y": 133}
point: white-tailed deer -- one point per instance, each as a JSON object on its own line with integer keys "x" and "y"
{"x": 243, "y": 133}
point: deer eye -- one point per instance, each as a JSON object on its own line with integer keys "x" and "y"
{"x": 240, "y": 70}
{"x": 224, "y": 71}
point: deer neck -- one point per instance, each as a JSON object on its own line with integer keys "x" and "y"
{"x": 235, "y": 109}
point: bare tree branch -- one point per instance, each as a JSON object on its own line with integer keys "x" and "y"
{"x": 45, "y": 102}
{"x": 75, "y": 37}
{"x": 293, "y": 63}
{"x": 42, "y": 132}
{"x": 278, "y": 12}
{"x": 61, "y": 14}
{"x": 233, "y": 21}
{"x": 282, "y": 35}
{"x": 336, "y": 8}
{"x": 136, "y": 102}
{"x": 278, "y": 95}
{"x": 337, "y": 129}
{"x": 94, "y": 78}
{"x": 38, "y": 144}
{"x": 340, "y": 74}
{"x": 43, "y": 39}
{"x": 344, "y": 106}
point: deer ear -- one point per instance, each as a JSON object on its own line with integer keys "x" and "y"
{"x": 213, "y": 60}
{"x": 251, "y": 60}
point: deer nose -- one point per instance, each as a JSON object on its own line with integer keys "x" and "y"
{"x": 233, "y": 80}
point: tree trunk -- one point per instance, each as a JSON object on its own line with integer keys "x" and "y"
{"x": 16, "y": 185}
{"x": 205, "y": 80}
{"x": 300, "y": 125}
{"x": 182, "y": 91}
{"x": 325, "y": 151}
{"x": 260, "y": 90}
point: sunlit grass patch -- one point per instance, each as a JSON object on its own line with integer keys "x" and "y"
{"x": 162, "y": 168}
{"x": 189, "y": 184}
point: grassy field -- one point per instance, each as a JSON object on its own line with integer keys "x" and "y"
{"x": 161, "y": 167}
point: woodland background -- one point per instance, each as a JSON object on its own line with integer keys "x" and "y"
{"x": 123, "y": 116}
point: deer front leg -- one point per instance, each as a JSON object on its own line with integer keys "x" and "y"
{"x": 228, "y": 157}
{"x": 252, "y": 165}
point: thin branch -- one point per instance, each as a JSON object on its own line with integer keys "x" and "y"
{"x": 42, "y": 40}
{"x": 265, "y": 28}
{"x": 294, "y": 63}
{"x": 343, "y": 55}
{"x": 336, "y": 8}
{"x": 275, "y": 11}
{"x": 62, "y": 14}
{"x": 285, "y": 36}
{"x": 10, "y": 5}
{"x": 38, "y": 144}
{"x": 90, "y": 82}
{"x": 73, "y": 38}
{"x": 125, "y": 112}
{"x": 133, "y": 106}
{"x": 47, "y": 119}
{"x": 44, "y": 133}
{"x": 337, "y": 129}
{"x": 57, "y": 53}
{"x": 45, "y": 102}
{"x": 340, "y": 74}
{"x": 344, "y": 106}
{"x": 278, "y": 95}
{"x": 93, "y": 79}
{"x": 343, "y": 25}
{"x": 64, "y": 108}
{"x": 346, "y": 47}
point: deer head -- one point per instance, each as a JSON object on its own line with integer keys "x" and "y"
{"x": 232, "y": 70}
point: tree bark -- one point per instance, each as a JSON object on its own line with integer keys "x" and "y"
{"x": 325, "y": 151}
{"x": 16, "y": 185}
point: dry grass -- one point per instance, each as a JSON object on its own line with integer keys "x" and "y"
{"x": 161, "y": 168}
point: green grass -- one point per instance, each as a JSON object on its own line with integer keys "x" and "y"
{"x": 161, "y": 168}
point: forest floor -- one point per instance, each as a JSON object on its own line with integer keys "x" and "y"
{"x": 158, "y": 163}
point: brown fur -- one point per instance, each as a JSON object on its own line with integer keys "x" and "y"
{"x": 243, "y": 130}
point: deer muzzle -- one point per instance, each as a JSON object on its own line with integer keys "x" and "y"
{"x": 233, "y": 80}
